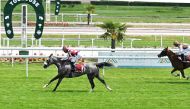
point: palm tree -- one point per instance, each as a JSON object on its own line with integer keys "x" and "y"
{"x": 116, "y": 31}
{"x": 90, "y": 9}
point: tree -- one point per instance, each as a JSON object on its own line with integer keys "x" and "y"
{"x": 90, "y": 10}
{"x": 115, "y": 31}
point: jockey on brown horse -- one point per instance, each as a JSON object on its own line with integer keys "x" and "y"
{"x": 184, "y": 51}
{"x": 178, "y": 64}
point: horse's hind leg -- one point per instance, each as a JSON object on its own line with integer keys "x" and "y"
{"x": 173, "y": 72}
{"x": 53, "y": 79}
{"x": 91, "y": 80}
{"x": 182, "y": 73}
{"x": 59, "y": 81}
{"x": 102, "y": 81}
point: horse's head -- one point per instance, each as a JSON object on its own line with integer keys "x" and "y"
{"x": 163, "y": 52}
{"x": 51, "y": 60}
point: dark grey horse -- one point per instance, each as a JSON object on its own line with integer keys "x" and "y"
{"x": 64, "y": 69}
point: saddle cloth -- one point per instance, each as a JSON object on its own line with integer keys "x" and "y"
{"x": 79, "y": 67}
{"x": 187, "y": 58}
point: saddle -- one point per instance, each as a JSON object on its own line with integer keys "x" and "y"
{"x": 187, "y": 58}
{"x": 79, "y": 68}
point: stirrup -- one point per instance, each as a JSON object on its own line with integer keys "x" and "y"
{"x": 73, "y": 70}
{"x": 186, "y": 61}
{"x": 180, "y": 58}
{"x": 70, "y": 75}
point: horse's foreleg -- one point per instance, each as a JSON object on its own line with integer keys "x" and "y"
{"x": 102, "y": 81}
{"x": 173, "y": 72}
{"x": 90, "y": 78}
{"x": 59, "y": 81}
{"x": 53, "y": 79}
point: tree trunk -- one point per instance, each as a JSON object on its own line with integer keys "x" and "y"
{"x": 113, "y": 44}
{"x": 88, "y": 18}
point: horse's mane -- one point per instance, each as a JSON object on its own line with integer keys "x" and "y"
{"x": 58, "y": 59}
{"x": 171, "y": 52}
{"x": 61, "y": 60}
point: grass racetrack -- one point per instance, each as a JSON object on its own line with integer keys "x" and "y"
{"x": 142, "y": 88}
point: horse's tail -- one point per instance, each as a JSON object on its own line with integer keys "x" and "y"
{"x": 102, "y": 64}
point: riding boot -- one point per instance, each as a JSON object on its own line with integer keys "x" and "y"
{"x": 183, "y": 58}
{"x": 72, "y": 69}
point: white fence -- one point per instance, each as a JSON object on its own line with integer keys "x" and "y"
{"x": 34, "y": 42}
{"x": 99, "y": 31}
{"x": 95, "y": 31}
{"x": 76, "y": 17}
{"x": 132, "y": 58}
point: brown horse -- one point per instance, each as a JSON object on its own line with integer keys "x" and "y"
{"x": 177, "y": 64}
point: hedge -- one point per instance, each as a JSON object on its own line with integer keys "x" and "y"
{"x": 127, "y": 3}
{"x": 69, "y": 2}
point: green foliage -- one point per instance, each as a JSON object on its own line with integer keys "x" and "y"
{"x": 177, "y": 8}
{"x": 90, "y": 9}
{"x": 113, "y": 30}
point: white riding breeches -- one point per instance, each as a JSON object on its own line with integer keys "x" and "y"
{"x": 186, "y": 51}
{"x": 75, "y": 58}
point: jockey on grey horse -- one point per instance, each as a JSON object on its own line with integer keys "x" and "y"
{"x": 73, "y": 56}
{"x": 90, "y": 69}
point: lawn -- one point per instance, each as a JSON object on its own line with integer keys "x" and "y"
{"x": 145, "y": 42}
{"x": 142, "y": 88}
{"x": 119, "y": 13}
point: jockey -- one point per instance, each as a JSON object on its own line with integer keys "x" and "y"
{"x": 184, "y": 49}
{"x": 73, "y": 56}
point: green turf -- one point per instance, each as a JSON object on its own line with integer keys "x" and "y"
{"x": 142, "y": 88}
{"x": 145, "y": 42}
{"x": 120, "y": 13}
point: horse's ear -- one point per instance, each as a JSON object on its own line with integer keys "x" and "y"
{"x": 50, "y": 55}
{"x": 167, "y": 49}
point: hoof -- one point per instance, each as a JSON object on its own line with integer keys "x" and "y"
{"x": 187, "y": 78}
{"x": 178, "y": 75}
{"x": 45, "y": 85}
{"x": 175, "y": 75}
{"x": 91, "y": 90}
{"x": 109, "y": 88}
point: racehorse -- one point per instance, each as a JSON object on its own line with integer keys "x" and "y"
{"x": 177, "y": 64}
{"x": 64, "y": 70}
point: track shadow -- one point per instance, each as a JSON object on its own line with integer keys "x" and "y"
{"x": 169, "y": 82}
{"x": 72, "y": 91}
{"x": 66, "y": 91}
